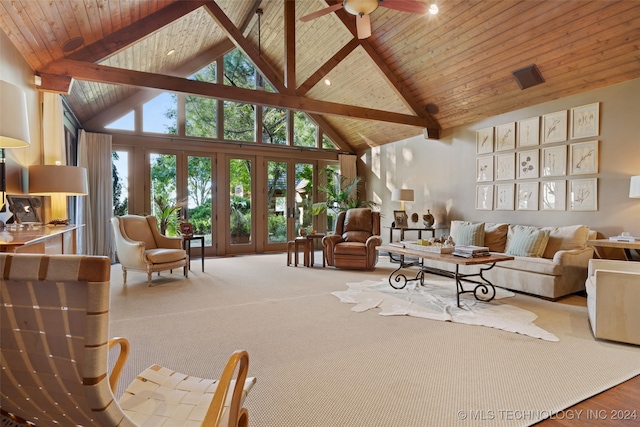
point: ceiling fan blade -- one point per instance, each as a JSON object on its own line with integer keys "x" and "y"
{"x": 363, "y": 26}
{"x": 321, "y": 12}
{"x": 405, "y": 6}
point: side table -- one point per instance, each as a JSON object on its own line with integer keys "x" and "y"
{"x": 606, "y": 243}
{"x": 186, "y": 245}
{"x": 310, "y": 249}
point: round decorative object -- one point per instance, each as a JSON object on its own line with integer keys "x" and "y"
{"x": 302, "y": 231}
{"x": 427, "y": 219}
{"x": 414, "y": 217}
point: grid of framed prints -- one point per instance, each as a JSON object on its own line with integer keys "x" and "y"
{"x": 544, "y": 163}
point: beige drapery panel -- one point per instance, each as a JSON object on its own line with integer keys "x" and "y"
{"x": 348, "y": 167}
{"x": 94, "y": 153}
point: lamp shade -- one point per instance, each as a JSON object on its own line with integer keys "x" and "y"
{"x": 634, "y": 187}
{"x": 45, "y": 180}
{"x": 14, "y": 123}
{"x": 402, "y": 195}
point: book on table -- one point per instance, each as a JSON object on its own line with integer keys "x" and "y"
{"x": 471, "y": 251}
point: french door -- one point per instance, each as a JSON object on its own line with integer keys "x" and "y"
{"x": 288, "y": 202}
{"x": 240, "y": 217}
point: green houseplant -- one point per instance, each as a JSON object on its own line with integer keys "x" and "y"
{"x": 341, "y": 194}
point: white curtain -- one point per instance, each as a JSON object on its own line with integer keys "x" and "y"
{"x": 95, "y": 211}
{"x": 53, "y": 129}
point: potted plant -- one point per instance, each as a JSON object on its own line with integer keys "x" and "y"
{"x": 340, "y": 194}
{"x": 167, "y": 213}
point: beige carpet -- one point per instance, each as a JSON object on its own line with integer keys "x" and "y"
{"x": 319, "y": 364}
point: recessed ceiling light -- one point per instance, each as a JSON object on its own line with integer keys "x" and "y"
{"x": 327, "y": 82}
{"x": 171, "y": 52}
{"x": 433, "y": 9}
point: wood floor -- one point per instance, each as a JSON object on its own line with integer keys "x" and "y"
{"x": 618, "y": 406}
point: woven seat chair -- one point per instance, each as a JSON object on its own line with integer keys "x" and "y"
{"x": 140, "y": 246}
{"x": 54, "y": 351}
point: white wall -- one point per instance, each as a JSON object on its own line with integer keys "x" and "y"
{"x": 442, "y": 172}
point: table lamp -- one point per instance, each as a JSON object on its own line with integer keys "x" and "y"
{"x": 58, "y": 181}
{"x": 634, "y": 187}
{"x": 14, "y": 127}
{"x": 402, "y": 195}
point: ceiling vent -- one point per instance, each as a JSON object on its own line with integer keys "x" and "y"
{"x": 528, "y": 76}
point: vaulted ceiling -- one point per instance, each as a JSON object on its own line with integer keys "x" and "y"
{"x": 415, "y": 72}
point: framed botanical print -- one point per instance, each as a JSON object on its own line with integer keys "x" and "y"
{"x": 554, "y": 161}
{"x": 583, "y": 157}
{"x": 554, "y": 127}
{"x": 529, "y": 132}
{"x": 484, "y": 169}
{"x": 504, "y": 197}
{"x": 484, "y": 141}
{"x": 584, "y": 194}
{"x": 484, "y": 197}
{"x": 506, "y": 137}
{"x": 528, "y": 164}
{"x": 505, "y": 167}
{"x": 527, "y": 196}
{"x": 585, "y": 121}
{"x": 553, "y": 195}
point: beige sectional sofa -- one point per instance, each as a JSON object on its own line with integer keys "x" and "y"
{"x": 558, "y": 268}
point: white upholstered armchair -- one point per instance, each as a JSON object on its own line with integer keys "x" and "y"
{"x": 140, "y": 246}
{"x": 613, "y": 298}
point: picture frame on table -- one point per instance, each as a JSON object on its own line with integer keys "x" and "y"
{"x": 24, "y": 209}
{"x": 529, "y": 132}
{"x": 505, "y": 137}
{"x": 186, "y": 229}
{"x": 527, "y": 196}
{"x": 583, "y": 194}
{"x": 554, "y": 127}
{"x": 504, "y": 197}
{"x": 401, "y": 219}
{"x": 484, "y": 169}
{"x": 583, "y": 157}
{"x": 553, "y": 195}
{"x": 484, "y": 141}
{"x": 484, "y": 197}
{"x": 505, "y": 167}
{"x": 554, "y": 161}
{"x": 528, "y": 164}
{"x": 585, "y": 121}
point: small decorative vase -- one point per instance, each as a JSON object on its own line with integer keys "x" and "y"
{"x": 427, "y": 219}
{"x": 302, "y": 231}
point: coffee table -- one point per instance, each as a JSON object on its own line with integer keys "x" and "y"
{"x": 484, "y": 289}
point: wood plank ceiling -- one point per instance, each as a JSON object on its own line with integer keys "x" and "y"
{"x": 459, "y": 62}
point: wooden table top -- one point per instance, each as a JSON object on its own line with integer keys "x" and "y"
{"x": 614, "y": 244}
{"x": 29, "y": 234}
{"x": 452, "y": 259}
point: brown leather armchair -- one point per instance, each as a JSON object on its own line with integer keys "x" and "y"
{"x": 353, "y": 244}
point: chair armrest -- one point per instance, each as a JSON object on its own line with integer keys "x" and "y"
{"x": 120, "y": 361}
{"x": 168, "y": 242}
{"x": 613, "y": 265}
{"x": 329, "y": 243}
{"x": 574, "y": 257}
{"x": 238, "y": 416}
{"x": 372, "y": 242}
{"x": 130, "y": 250}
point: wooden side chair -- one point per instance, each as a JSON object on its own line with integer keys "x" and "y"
{"x": 54, "y": 349}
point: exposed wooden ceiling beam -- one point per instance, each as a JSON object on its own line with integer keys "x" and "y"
{"x": 433, "y": 127}
{"x": 244, "y": 45}
{"x": 122, "y": 38}
{"x": 104, "y": 74}
{"x": 325, "y": 68}
{"x": 290, "y": 46}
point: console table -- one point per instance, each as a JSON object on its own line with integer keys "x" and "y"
{"x": 403, "y": 229}
{"x": 39, "y": 239}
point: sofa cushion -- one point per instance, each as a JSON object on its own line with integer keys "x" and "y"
{"x": 161, "y": 255}
{"x": 533, "y": 265}
{"x": 467, "y": 233}
{"x": 495, "y": 236}
{"x": 565, "y": 238}
{"x": 526, "y": 241}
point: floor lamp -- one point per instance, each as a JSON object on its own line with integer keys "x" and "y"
{"x": 14, "y": 128}
{"x": 58, "y": 181}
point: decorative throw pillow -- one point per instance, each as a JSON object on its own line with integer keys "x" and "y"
{"x": 495, "y": 236}
{"x": 526, "y": 241}
{"x": 467, "y": 233}
{"x": 565, "y": 238}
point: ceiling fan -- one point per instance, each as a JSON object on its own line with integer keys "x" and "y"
{"x": 362, "y": 8}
